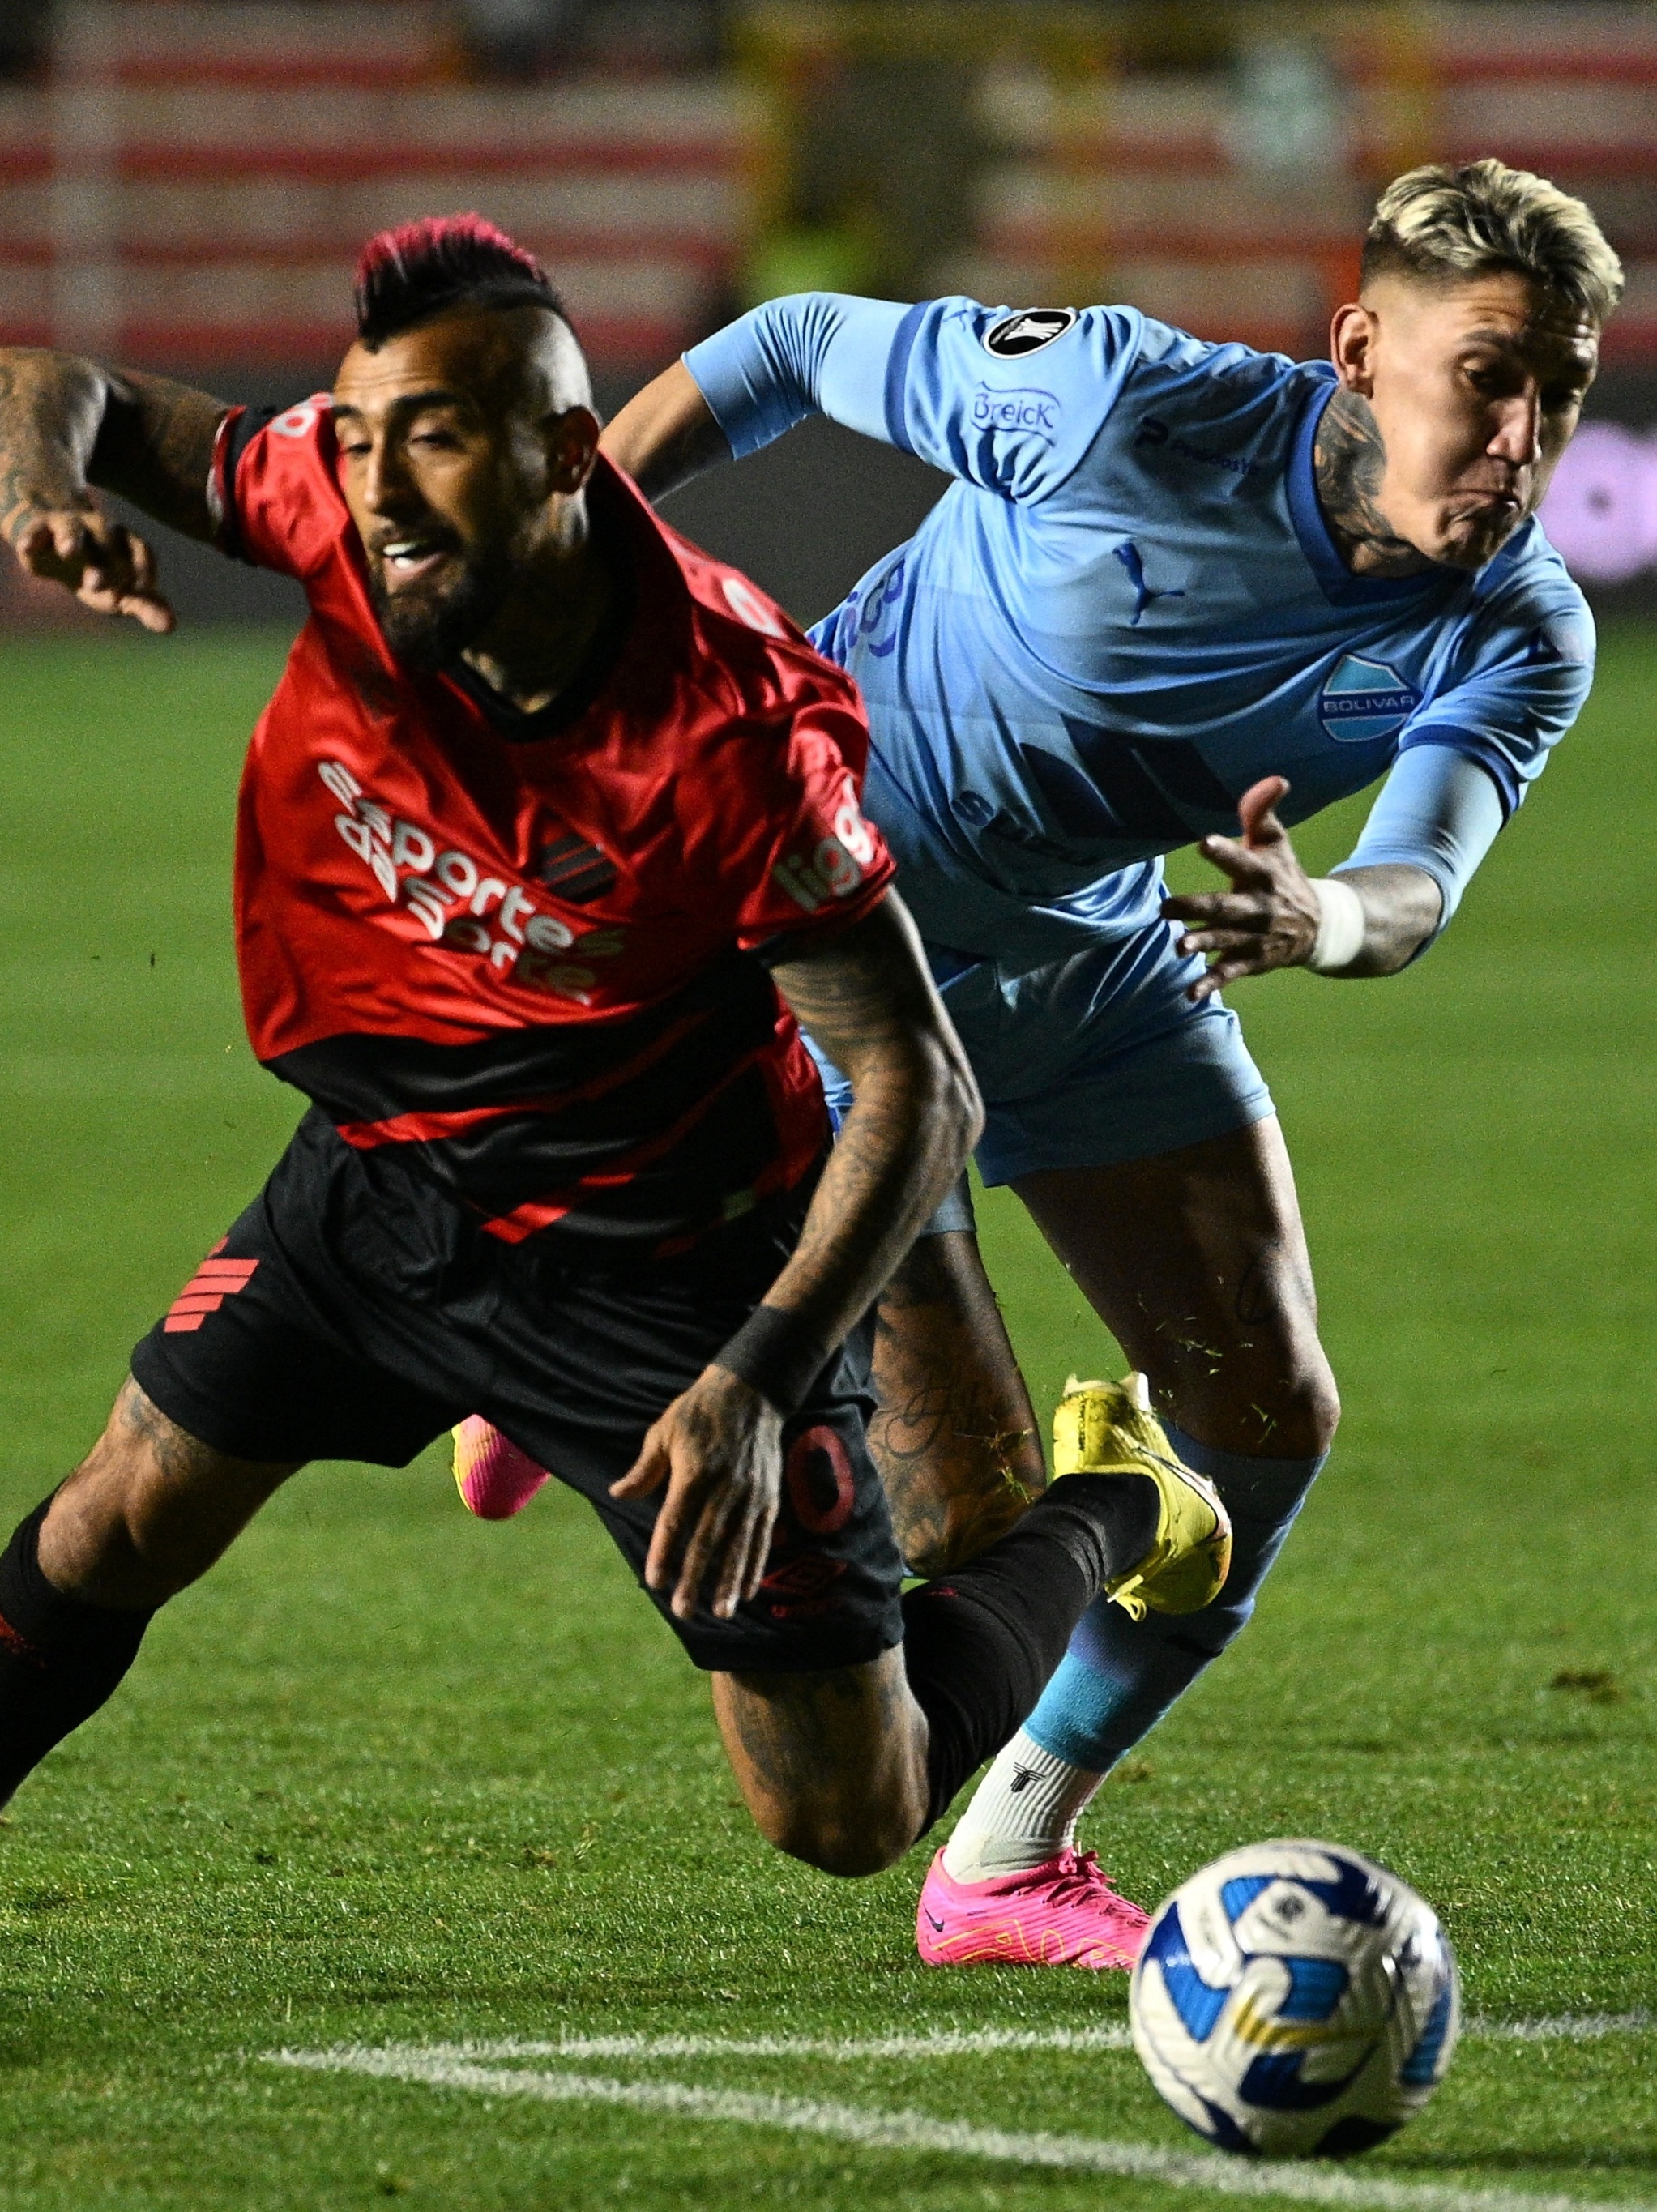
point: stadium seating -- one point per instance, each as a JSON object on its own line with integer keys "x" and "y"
{"x": 190, "y": 184}
{"x": 1228, "y": 199}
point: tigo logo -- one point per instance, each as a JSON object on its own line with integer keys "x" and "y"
{"x": 1364, "y": 700}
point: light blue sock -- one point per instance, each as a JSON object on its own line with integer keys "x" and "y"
{"x": 1119, "y": 1676}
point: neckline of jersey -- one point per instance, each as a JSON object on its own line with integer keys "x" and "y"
{"x": 1335, "y": 580}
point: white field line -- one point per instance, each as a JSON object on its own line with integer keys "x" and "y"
{"x": 940, "y": 2043}
{"x": 954, "y": 2043}
{"x": 917, "y": 2131}
{"x": 1562, "y": 2027}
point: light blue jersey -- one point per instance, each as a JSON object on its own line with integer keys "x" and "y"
{"x": 1125, "y": 611}
{"x": 1128, "y": 608}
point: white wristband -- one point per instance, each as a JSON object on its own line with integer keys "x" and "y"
{"x": 1342, "y": 926}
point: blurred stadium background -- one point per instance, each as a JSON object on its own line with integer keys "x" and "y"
{"x": 183, "y": 185}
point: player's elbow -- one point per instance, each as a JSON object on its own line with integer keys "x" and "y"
{"x": 954, "y": 1107}
{"x": 947, "y": 1114}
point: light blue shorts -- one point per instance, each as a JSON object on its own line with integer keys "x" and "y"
{"x": 1095, "y": 1059}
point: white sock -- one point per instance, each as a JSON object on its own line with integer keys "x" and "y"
{"x": 1023, "y": 1811}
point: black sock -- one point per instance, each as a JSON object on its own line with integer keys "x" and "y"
{"x": 980, "y": 1642}
{"x": 60, "y": 1658}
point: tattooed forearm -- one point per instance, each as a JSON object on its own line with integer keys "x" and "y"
{"x": 869, "y": 1003}
{"x": 155, "y": 449}
{"x": 67, "y": 425}
{"x": 51, "y": 407}
{"x": 1350, "y": 460}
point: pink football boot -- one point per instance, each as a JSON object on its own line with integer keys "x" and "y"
{"x": 493, "y": 1476}
{"x": 1062, "y": 1913}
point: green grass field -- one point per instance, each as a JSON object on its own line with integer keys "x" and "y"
{"x": 393, "y": 1777}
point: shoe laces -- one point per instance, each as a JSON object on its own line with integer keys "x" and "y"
{"x": 1078, "y": 1874}
{"x": 1080, "y": 1878}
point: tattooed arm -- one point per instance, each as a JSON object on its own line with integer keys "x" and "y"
{"x": 67, "y": 425}
{"x": 868, "y": 1001}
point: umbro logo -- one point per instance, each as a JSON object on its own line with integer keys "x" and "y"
{"x": 1015, "y": 336}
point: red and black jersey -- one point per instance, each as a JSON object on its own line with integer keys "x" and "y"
{"x": 530, "y": 952}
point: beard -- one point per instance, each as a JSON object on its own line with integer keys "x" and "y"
{"x": 428, "y": 625}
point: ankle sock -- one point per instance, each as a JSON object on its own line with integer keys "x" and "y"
{"x": 60, "y": 1657}
{"x": 1023, "y": 1813}
{"x": 980, "y": 1642}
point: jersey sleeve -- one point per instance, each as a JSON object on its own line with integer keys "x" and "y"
{"x": 281, "y": 501}
{"x": 1010, "y": 400}
{"x": 1526, "y": 687}
{"x": 1439, "y": 811}
{"x": 787, "y": 848}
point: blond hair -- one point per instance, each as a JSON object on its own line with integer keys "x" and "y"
{"x": 1444, "y": 224}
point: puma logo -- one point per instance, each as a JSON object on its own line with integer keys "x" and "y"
{"x": 1128, "y": 553}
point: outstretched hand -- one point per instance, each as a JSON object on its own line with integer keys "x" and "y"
{"x": 719, "y": 1450}
{"x": 109, "y": 568}
{"x": 1269, "y": 916}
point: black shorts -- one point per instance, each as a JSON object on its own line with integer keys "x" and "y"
{"x": 356, "y": 1312}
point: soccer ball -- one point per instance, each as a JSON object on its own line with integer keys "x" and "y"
{"x": 1295, "y": 2000}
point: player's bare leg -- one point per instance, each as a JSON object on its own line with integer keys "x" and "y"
{"x": 847, "y": 1767}
{"x": 150, "y": 1509}
{"x": 147, "y": 1511}
{"x": 1196, "y": 1261}
{"x": 955, "y": 1434}
{"x": 833, "y": 1765}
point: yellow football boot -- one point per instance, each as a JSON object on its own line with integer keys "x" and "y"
{"x": 1108, "y": 1428}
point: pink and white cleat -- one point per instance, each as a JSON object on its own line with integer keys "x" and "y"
{"x": 1062, "y": 1913}
{"x": 495, "y": 1479}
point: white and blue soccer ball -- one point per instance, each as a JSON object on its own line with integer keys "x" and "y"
{"x": 1295, "y": 2000}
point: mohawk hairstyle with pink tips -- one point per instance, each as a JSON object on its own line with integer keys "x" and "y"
{"x": 424, "y": 269}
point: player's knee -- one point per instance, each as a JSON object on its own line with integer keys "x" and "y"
{"x": 1277, "y": 1401}
{"x": 1297, "y": 1419}
{"x": 1311, "y": 1413}
{"x": 962, "y": 1527}
{"x": 848, "y": 1841}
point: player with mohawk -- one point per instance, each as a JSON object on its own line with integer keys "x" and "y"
{"x": 548, "y": 838}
